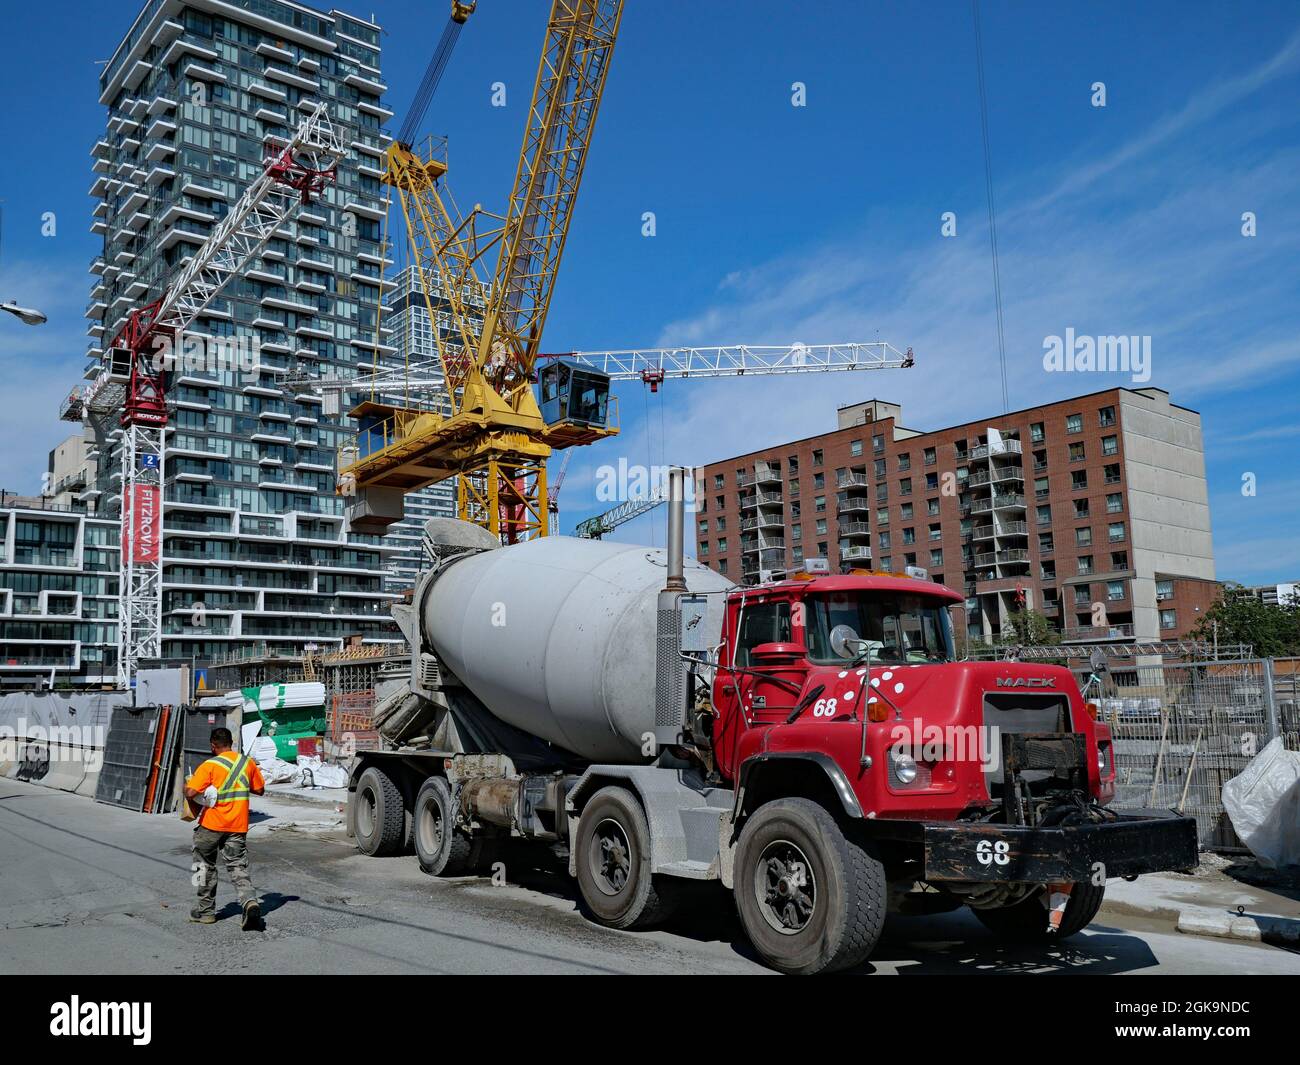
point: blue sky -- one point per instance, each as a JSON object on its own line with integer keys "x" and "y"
{"x": 821, "y": 223}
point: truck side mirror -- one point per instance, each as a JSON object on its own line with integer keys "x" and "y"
{"x": 843, "y": 640}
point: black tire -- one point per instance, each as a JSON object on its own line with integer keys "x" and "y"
{"x": 836, "y": 924}
{"x": 443, "y": 850}
{"x": 1026, "y": 920}
{"x": 377, "y": 814}
{"x": 613, "y": 860}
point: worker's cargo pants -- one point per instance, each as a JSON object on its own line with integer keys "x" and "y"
{"x": 233, "y": 848}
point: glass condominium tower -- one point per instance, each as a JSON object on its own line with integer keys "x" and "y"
{"x": 255, "y": 549}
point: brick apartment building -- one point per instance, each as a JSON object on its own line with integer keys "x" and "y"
{"x": 1092, "y": 511}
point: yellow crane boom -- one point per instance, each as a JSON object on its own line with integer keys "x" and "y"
{"x": 494, "y": 437}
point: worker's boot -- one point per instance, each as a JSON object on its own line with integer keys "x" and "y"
{"x": 202, "y": 916}
{"x": 252, "y": 916}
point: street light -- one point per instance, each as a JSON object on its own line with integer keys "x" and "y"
{"x": 27, "y": 314}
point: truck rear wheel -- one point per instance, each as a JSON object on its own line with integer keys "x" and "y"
{"x": 811, "y": 899}
{"x": 1026, "y": 921}
{"x": 612, "y": 855}
{"x": 441, "y": 848}
{"x": 377, "y": 814}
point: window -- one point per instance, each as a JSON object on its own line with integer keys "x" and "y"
{"x": 1047, "y": 570}
{"x": 796, "y": 531}
{"x": 793, "y": 462}
{"x": 819, "y": 504}
{"x": 1077, "y": 453}
{"x": 936, "y": 531}
{"x": 722, "y": 544}
{"x": 719, "y": 481}
{"x": 883, "y": 541}
{"x": 794, "y": 487}
{"x": 882, "y": 516}
{"x": 896, "y": 629}
{"x": 931, "y": 456}
{"x": 1074, "y": 423}
{"x": 1082, "y": 594}
{"x": 1106, "y": 416}
{"x": 1084, "y": 564}
{"x": 932, "y": 506}
{"x": 878, "y": 468}
{"x": 722, "y": 524}
{"x": 1040, "y": 460}
{"x": 905, "y": 511}
{"x": 855, "y": 447}
{"x": 1046, "y": 543}
{"x": 704, "y": 547}
{"x": 1041, "y": 489}
{"x": 704, "y": 526}
{"x": 1083, "y": 537}
{"x": 1112, "y": 473}
{"x": 819, "y": 481}
{"x": 882, "y": 492}
{"x": 1116, "y": 532}
{"x": 704, "y": 505}
{"x": 887, "y": 563}
{"x": 821, "y": 526}
{"x": 1168, "y": 619}
{"x": 905, "y": 486}
{"x": 1078, "y": 480}
{"x": 762, "y": 623}
{"x": 909, "y": 535}
{"x": 877, "y": 443}
{"x": 1044, "y": 514}
{"x": 1036, "y": 434}
{"x": 1110, "y": 445}
{"x": 722, "y": 565}
{"x": 1164, "y": 590}
{"x": 1080, "y": 508}
{"x": 936, "y": 557}
{"x": 1114, "y": 503}
{"x": 1115, "y": 591}
{"x": 931, "y": 482}
{"x": 817, "y": 457}
{"x": 905, "y": 461}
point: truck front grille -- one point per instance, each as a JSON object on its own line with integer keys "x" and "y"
{"x": 1012, "y": 712}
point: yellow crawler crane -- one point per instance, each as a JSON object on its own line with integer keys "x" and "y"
{"x": 492, "y": 433}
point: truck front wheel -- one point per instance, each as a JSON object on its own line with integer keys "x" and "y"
{"x": 1027, "y": 921}
{"x": 377, "y": 815}
{"x": 441, "y": 848}
{"x": 613, "y": 861}
{"x": 810, "y": 898}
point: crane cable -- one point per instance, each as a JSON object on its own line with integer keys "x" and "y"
{"x": 988, "y": 184}
{"x": 432, "y": 75}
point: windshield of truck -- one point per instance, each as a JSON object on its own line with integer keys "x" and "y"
{"x": 896, "y": 628}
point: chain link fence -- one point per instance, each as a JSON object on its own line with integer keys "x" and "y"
{"x": 1183, "y": 729}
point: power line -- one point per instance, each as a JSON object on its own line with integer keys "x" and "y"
{"x": 993, "y": 222}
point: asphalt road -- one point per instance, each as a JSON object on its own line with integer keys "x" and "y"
{"x": 86, "y": 888}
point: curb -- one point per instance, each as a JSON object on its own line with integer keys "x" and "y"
{"x": 1220, "y": 924}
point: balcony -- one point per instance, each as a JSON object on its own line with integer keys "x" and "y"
{"x": 849, "y": 504}
{"x": 763, "y": 543}
{"x": 1084, "y": 633}
{"x": 855, "y": 553}
{"x": 851, "y": 480}
{"x": 1006, "y": 447}
{"x": 851, "y": 529}
{"x": 766, "y": 473}
{"x": 760, "y": 499}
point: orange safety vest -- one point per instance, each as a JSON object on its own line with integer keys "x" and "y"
{"x": 230, "y": 813}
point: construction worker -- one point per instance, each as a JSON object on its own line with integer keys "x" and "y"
{"x": 222, "y": 785}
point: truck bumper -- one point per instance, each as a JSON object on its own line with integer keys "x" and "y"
{"x": 1139, "y": 841}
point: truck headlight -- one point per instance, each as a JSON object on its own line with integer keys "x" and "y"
{"x": 904, "y": 768}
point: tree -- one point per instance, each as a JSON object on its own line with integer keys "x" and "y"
{"x": 1028, "y": 627}
{"x": 1237, "y": 616}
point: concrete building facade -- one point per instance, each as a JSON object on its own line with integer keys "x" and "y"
{"x": 198, "y": 93}
{"x": 1092, "y": 511}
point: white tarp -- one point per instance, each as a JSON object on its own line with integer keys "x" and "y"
{"x": 275, "y": 696}
{"x": 1263, "y": 801}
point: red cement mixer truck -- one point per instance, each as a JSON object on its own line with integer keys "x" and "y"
{"x": 811, "y": 744}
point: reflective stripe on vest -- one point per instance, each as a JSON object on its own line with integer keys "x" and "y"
{"x": 235, "y": 787}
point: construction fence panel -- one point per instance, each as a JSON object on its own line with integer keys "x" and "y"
{"x": 1184, "y": 729}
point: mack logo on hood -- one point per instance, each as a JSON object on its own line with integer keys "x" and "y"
{"x": 1026, "y": 682}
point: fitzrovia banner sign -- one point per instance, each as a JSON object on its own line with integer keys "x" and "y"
{"x": 140, "y": 531}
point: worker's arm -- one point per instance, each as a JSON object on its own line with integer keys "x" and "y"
{"x": 195, "y": 786}
{"x": 256, "y": 784}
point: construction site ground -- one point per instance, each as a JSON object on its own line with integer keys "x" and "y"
{"x": 89, "y": 888}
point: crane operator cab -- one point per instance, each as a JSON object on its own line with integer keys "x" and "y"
{"x": 575, "y": 402}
